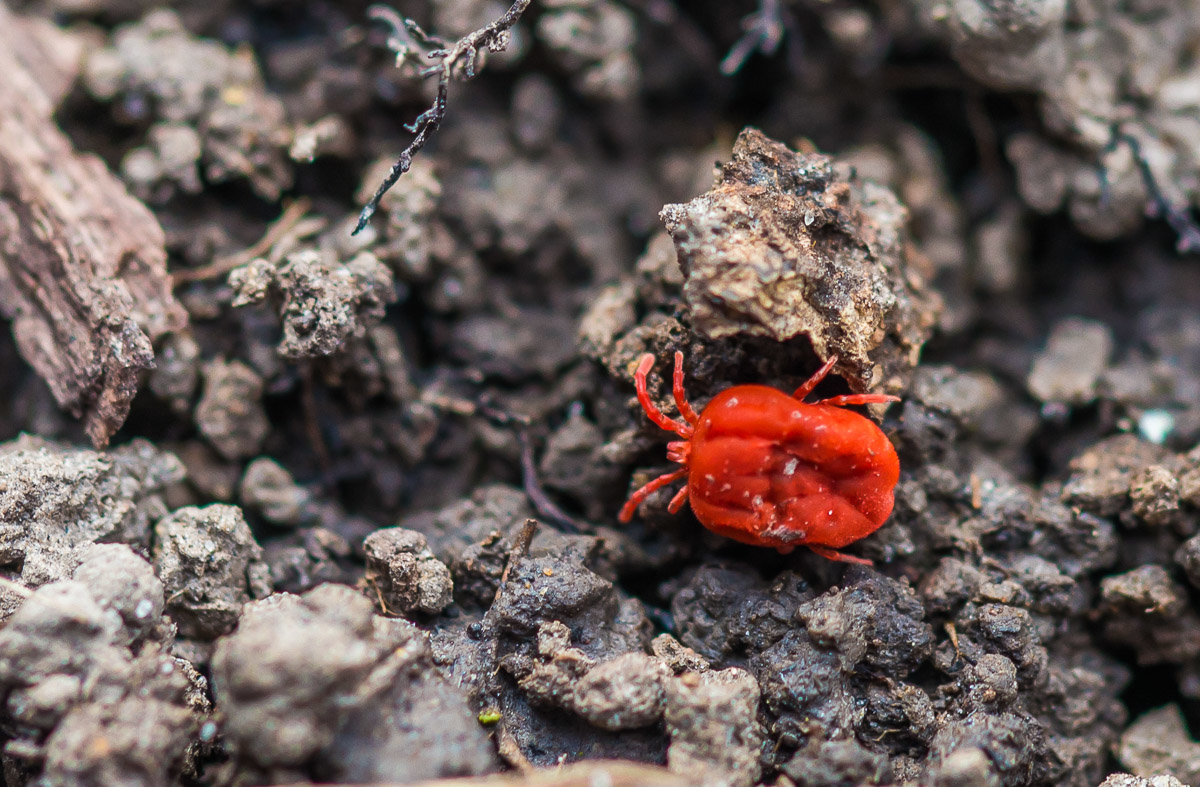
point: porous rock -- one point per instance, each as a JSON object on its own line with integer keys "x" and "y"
{"x": 210, "y": 565}
{"x": 788, "y": 244}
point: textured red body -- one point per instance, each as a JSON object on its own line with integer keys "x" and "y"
{"x": 766, "y": 468}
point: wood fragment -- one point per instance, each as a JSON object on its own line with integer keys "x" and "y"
{"x": 83, "y": 265}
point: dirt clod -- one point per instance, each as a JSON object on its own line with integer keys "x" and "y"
{"x": 210, "y": 565}
{"x": 269, "y": 489}
{"x": 814, "y": 252}
{"x": 89, "y": 710}
{"x": 291, "y": 702}
{"x": 322, "y": 301}
{"x": 406, "y": 574}
{"x": 55, "y": 502}
{"x": 711, "y": 718}
{"x": 1159, "y": 743}
{"x": 230, "y": 413}
{"x": 1067, "y": 371}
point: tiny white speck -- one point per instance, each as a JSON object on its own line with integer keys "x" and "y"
{"x": 732, "y": 402}
{"x": 727, "y": 487}
{"x": 143, "y": 609}
{"x": 831, "y": 512}
{"x": 797, "y": 415}
{"x": 790, "y": 467}
{"x": 1156, "y": 426}
{"x": 758, "y": 501}
{"x": 712, "y": 479}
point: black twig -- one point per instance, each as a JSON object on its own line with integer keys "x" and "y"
{"x": 407, "y": 37}
{"x": 1178, "y": 217}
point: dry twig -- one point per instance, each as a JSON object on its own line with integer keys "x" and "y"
{"x": 290, "y": 223}
{"x": 407, "y": 37}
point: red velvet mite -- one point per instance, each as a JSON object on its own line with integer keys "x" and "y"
{"x": 772, "y": 470}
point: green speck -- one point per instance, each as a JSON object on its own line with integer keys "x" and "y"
{"x": 489, "y": 716}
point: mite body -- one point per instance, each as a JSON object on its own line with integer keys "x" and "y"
{"x": 769, "y": 469}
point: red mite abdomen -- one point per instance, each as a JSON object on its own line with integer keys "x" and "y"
{"x": 766, "y": 468}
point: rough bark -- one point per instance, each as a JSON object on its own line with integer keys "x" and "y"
{"x": 83, "y": 272}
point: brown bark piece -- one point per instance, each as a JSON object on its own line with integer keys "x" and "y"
{"x": 83, "y": 268}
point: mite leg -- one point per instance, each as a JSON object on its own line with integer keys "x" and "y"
{"x": 652, "y": 411}
{"x": 677, "y": 502}
{"x": 681, "y": 402}
{"x": 842, "y": 401}
{"x": 832, "y": 554}
{"x": 819, "y": 375}
{"x": 640, "y": 495}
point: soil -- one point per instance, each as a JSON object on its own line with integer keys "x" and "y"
{"x": 282, "y": 502}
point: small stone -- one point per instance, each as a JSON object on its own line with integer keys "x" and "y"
{"x": 967, "y": 767}
{"x": 677, "y": 656}
{"x": 1146, "y": 590}
{"x": 1188, "y": 558}
{"x": 1068, "y": 369}
{"x": 1154, "y": 494}
{"x": 1129, "y": 780}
